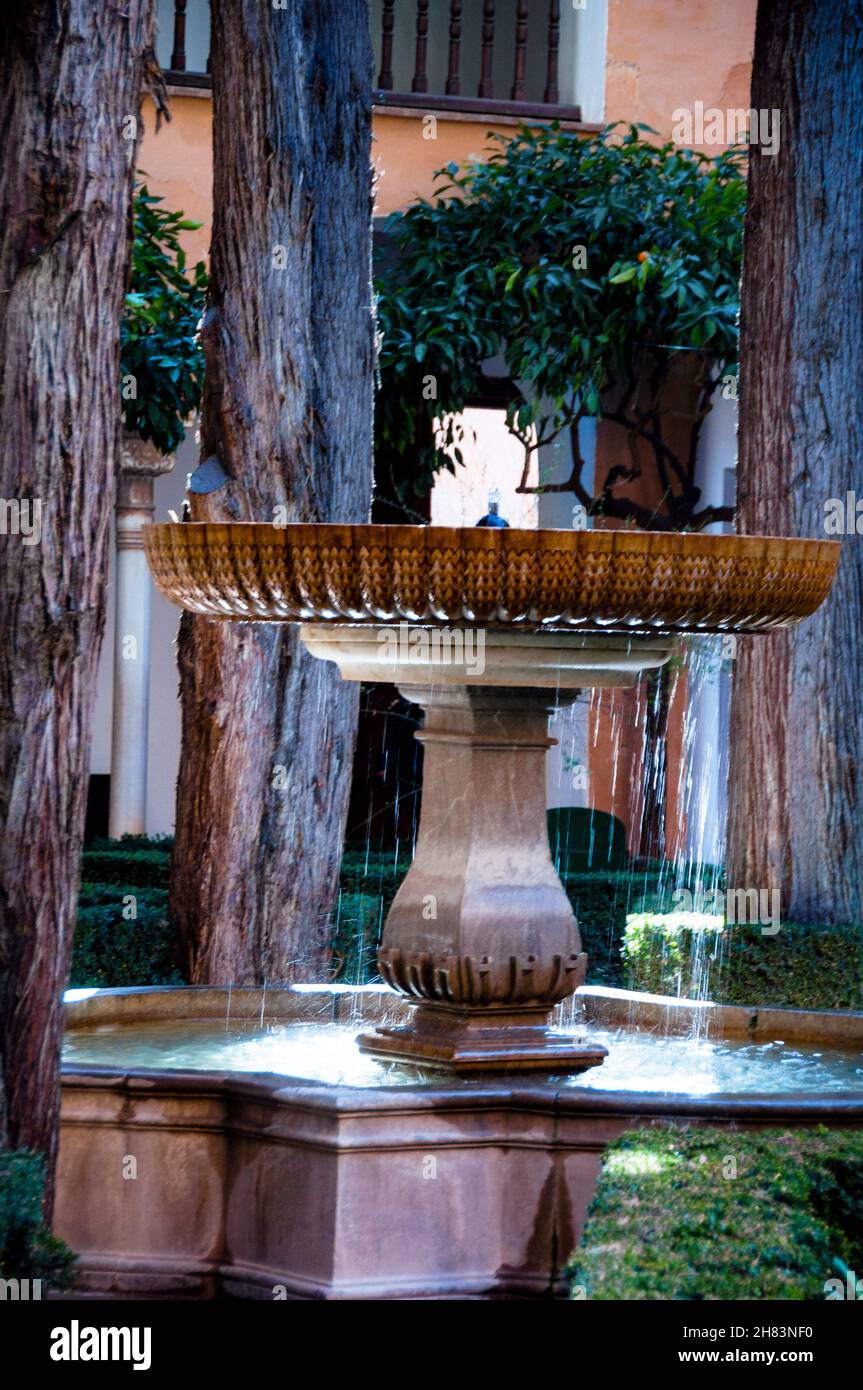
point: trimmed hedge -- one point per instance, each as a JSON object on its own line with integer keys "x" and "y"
{"x": 133, "y": 843}
{"x": 805, "y": 966}
{"x": 802, "y": 966}
{"x": 113, "y": 950}
{"x": 357, "y": 921}
{"x": 675, "y": 953}
{"x": 368, "y": 882}
{"x": 139, "y": 868}
{"x": 689, "y": 1213}
{"x": 28, "y": 1250}
{"x": 601, "y": 902}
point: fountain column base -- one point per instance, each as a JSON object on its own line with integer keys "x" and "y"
{"x": 480, "y": 1039}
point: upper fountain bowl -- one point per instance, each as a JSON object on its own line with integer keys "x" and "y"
{"x": 635, "y": 581}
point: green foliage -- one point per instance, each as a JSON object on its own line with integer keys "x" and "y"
{"x": 27, "y": 1248}
{"x": 802, "y": 966}
{"x": 601, "y": 902}
{"x": 368, "y": 882}
{"x": 672, "y": 1219}
{"x": 582, "y": 838}
{"x": 159, "y": 344}
{"x": 142, "y": 868}
{"x": 805, "y": 966}
{"x": 113, "y": 951}
{"x": 676, "y": 953}
{"x": 357, "y": 924}
{"x": 493, "y": 265}
{"x": 163, "y": 843}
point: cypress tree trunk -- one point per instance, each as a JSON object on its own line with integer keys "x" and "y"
{"x": 796, "y": 778}
{"x": 72, "y": 74}
{"x": 268, "y": 732}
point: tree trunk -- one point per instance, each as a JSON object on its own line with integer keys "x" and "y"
{"x": 72, "y": 75}
{"x": 796, "y": 778}
{"x": 268, "y": 732}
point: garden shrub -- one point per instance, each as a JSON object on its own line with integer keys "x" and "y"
{"x": 583, "y": 839}
{"x": 486, "y": 268}
{"x": 144, "y": 868}
{"x": 383, "y": 868}
{"x": 689, "y": 1213}
{"x": 803, "y": 965}
{"x": 163, "y": 843}
{"x": 675, "y": 953}
{"x": 111, "y": 950}
{"x": 357, "y": 924}
{"x": 601, "y": 902}
{"x": 28, "y": 1250}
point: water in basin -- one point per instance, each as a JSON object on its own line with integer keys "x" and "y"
{"x": 637, "y": 1061}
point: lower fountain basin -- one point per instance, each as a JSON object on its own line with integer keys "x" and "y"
{"x": 237, "y": 1142}
{"x": 327, "y": 1053}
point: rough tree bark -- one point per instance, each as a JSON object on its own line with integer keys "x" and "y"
{"x": 796, "y": 777}
{"x": 72, "y": 74}
{"x": 268, "y": 732}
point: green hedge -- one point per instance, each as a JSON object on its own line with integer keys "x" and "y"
{"x": 688, "y": 1213}
{"x": 601, "y": 902}
{"x": 113, "y": 950}
{"x": 28, "y": 1250}
{"x": 803, "y": 965}
{"x": 379, "y": 872}
{"x": 367, "y": 885}
{"x": 140, "y": 868}
{"x": 133, "y": 844}
{"x": 357, "y": 924}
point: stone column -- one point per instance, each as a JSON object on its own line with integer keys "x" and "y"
{"x": 140, "y": 465}
{"x": 481, "y": 930}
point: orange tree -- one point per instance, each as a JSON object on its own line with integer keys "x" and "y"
{"x": 586, "y": 267}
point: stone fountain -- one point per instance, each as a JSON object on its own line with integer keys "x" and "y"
{"x": 275, "y": 1158}
{"x": 488, "y": 630}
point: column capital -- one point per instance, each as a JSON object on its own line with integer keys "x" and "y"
{"x": 140, "y": 458}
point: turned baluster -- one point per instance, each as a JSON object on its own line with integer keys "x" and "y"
{"x": 552, "y": 93}
{"x": 420, "y": 80}
{"x": 520, "y": 50}
{"x": 453, "y": 86}
{"x": 486, "y": 85}
{"x": 385, "y": 76}
{"x": 178, "y": 57}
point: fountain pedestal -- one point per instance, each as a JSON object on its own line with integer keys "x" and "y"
{"x": 481, "y": 935}
{"x": 481, "y": 930}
